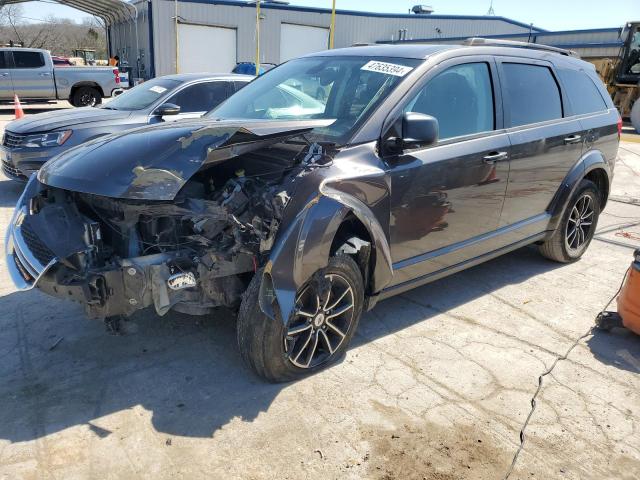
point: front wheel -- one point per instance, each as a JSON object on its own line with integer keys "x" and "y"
{"x": 328, "y": 309}
{"x": 577, "y": 227}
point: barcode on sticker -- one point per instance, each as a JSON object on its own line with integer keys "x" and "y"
{"x": 388, "y": 68}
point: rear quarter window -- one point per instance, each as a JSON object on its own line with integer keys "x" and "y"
{"x": 582, "y": 92}
{"x": 28, "y": 59}
{"x": 534, "y": 95}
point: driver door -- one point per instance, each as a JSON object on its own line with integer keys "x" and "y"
{"x": 447, "y": 198}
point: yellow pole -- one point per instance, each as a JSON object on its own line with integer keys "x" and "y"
{"x": 333, "y": 25}
{"x": 258, "y": 37}
{"x": 177, "y": 40}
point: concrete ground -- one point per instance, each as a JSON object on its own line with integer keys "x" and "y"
{"x": 437, "y": 384}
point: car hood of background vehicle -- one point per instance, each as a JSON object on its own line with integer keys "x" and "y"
{"x": 60, "y": 119}
{"x": 154, "y": 163}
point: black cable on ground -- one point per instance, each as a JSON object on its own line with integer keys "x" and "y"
{"x": 547, "y": 372}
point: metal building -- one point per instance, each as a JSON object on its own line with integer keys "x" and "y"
{"x": 214, "y": 35}
{"x": 591, "y": 43}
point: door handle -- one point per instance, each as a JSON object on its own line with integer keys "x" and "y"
{"x": 4, "y": 74}
{"x": 494, "y": 157}
{"x": 572, "y": 139}
{"x": 45, "y": 74}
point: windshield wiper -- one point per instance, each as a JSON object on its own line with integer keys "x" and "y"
{"x": 108, "y": 108}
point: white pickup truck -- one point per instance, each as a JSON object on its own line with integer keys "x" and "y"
{"x": 29, "y": 73}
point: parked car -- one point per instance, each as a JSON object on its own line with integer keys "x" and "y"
{"x": 426, "y": 160}
{"x": 31, "y": 74}
{"x": 249, "y": 68}
{"x": 28, "y": 143}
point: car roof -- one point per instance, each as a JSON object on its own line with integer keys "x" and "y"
{"x": 190, "y": 77}
{"x": 424, "y": 51}
{"x": 417, "y": 51}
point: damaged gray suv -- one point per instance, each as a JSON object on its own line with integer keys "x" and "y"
{"x": 331, "y": 182}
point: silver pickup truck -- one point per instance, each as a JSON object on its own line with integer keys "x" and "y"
{"x": 29, "y": 73}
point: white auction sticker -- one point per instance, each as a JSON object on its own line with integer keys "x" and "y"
{"x": 158, "y": 89}
{"x": 388, "y": 68}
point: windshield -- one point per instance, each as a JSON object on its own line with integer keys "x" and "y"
{"x": 347, "y": 89}
{"x": 143, "y": 95}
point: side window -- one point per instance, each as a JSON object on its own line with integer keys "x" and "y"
{"x": 582, "y": 92}
{"x": 28, "y": 59}
{"x": 460, "y": 98}
{"x": 238, "y": 85}
{"x": 200, "y": 97}
{"x": 533, "y": 94}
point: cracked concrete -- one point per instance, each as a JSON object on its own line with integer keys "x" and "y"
{"x": 437, "y": 383}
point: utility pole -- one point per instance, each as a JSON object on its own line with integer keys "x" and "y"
{"x": 332, "y": 32}
{"x": 258, "y": 37}
{"x": 177, "y": 40}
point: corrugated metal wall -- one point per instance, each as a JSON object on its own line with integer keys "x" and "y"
{"x": 124, "y": 44}
{"x": 604, "y": 42}
{"x": 350, "y": 29}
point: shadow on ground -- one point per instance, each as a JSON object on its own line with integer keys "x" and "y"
{"x": 185, "y": 370}
{"x": 618, "y": 348}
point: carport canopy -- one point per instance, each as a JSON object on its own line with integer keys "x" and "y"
{"x": 111, "y": 11}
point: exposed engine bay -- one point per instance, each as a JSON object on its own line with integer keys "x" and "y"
{"x": 190, "y": 254}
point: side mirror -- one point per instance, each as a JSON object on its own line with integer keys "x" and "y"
{"x": 167, "y": 109}
{"x": 419, "y": 130}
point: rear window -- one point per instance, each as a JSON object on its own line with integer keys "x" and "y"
{"x": 533, "y": 94}
{"x": 28, "y": 59}
{"x": 582, "y": 92}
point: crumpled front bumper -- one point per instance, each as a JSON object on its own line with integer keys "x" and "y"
{"x": 27, "y": 258}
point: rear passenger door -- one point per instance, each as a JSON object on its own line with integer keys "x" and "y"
{"x": 545, "y": 141}
{"x": 31, "y": 76}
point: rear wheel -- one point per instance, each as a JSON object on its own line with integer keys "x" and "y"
{"x": 86, "y": 97}
{"x": 574, "y": 233}
{"x": 328, "y": 309}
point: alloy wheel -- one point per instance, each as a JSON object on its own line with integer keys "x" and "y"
{"x": 319, "y": 325}
{"x": 580, "y": 223}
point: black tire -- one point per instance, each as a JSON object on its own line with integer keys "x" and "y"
{"x": 565, "y": 246}
{"x": 264, "y": 344}
{"x": 86, "y": 97}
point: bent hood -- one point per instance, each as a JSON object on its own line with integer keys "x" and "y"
{"x": 154, "y": 163}
{"x": 56, "y": 120}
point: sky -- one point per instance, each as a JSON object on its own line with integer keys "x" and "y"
{"x": 547, "y": 14}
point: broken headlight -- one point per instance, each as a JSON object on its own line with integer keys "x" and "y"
{"x": 52, "y": 139}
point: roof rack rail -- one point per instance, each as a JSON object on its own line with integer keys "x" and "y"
{"x": 490, "y": 42}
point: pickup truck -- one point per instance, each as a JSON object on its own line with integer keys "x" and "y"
{"x": 30, "y": 73}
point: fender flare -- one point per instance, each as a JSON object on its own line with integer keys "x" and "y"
{"x": 304, "y": 248}
{"x": 591, "y": 160}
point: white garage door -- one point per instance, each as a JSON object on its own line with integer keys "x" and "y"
{"x": 206, "y": 49}
{"x": 298, "y": 40}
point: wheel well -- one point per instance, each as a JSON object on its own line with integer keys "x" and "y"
{"x": 601, "y": 179}
{"x": 352, "y": 227}
{"x": 86, "y": 84}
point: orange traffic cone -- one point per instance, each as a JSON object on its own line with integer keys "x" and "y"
{"x": 18, "y": 107}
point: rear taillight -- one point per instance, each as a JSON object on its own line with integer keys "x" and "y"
{"x": 619, "y": 126}
{"x": 116, "y": 72}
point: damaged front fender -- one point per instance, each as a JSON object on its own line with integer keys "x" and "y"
{"x": 305, "y": 246}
